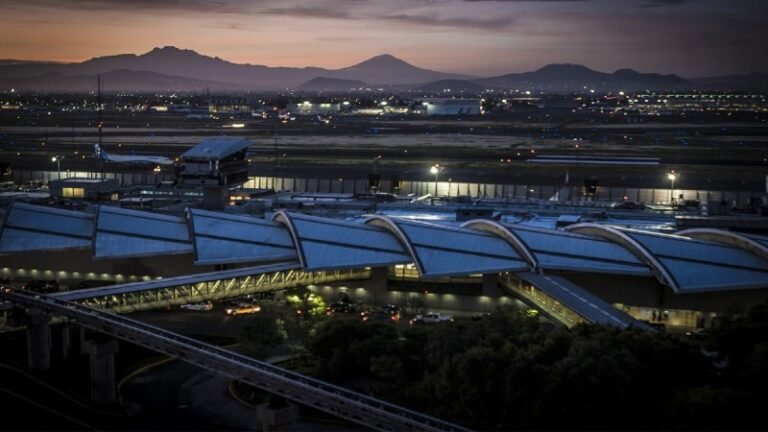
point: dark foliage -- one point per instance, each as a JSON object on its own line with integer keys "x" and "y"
{"x": 510, "y": 372}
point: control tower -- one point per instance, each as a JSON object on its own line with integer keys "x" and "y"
{"x": 216, "y": 165}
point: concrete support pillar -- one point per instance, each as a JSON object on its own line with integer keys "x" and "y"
{"x": 277, "y": 417}
{"x": 491, "y": 284}
{"x": 379, "y": 279}
{"x": 62, "y": 342}
{"x": 215, "y": 198}
{"x": 102, "y": 356}
{"x": 38, "y": 339}
{"x": 377, "y": 285}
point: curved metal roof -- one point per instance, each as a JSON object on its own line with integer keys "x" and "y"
{"x": 687, "y": 264}
{"x": 755, "y": 244}
{"x": 692, "y": 261}
{"x": 28, "y": 227}
{"x": 123, "y": 233}
{"x": 561, "y": 250}
{"x": 220, "y": 238}
{"x": 325, "y": 244}
{"x": 439, "y": 250}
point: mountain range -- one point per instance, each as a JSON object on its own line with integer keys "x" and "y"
{"x": 171, "y": 68}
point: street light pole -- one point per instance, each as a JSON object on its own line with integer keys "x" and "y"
{"x": 57, "y": 159}
{"x": 672, "y": 176}
{"x": 436, "y": 171}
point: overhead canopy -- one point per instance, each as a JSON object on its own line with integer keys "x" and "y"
{"x": 222, "y": 238}
{"x": 439, "y": 250}
{"x": 561, "y": 250}
{"x": 698, "y": 260}
{"x": 333, "y": 244}
{"x": 703, "y": 266}
{"x": 29, "y": 228}
{"x": 122, "y": 233}
{"x": 688, "y": 265}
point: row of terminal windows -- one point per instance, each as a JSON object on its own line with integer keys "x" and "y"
{"x": 73, "y": 192}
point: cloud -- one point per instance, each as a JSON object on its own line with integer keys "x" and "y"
{"x": 219, "y": 6}
{"x": 434, "y": 20}
{"x": 662, "y": 3}
{"x": 308, "y": 12}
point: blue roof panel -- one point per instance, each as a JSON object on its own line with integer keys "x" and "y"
{"x": 124, "y": 233}
{"x": 223, "y": 238}
{"x": 30, "y": 227}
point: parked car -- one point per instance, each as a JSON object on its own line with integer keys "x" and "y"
{"x": 383, "y": 314}
{"x": 394, "y": 310}
{"x": 340, "y": 307}
{"x": 201, "y": 307}
{"x": 242, "y": 309}
{"x": 431, "y": 318}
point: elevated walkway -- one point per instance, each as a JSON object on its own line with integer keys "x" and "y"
{"x": 567, "y": 302}
{"x": 175, "y": 291}
{"x": 338, "y": 401}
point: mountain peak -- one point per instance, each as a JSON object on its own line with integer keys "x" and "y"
{"x": 564, "y": 67}
{"x": 384, "y": 60}
{"x": 170, "y": 50}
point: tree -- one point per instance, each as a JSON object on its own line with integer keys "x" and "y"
{"x": 262, "y": 333}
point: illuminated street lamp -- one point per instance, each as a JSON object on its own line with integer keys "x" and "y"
{"x": 58, "y": 159}
{"x": 672, "y": 176}
{"x": 435, "y": 169}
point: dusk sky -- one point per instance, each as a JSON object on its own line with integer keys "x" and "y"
{"x": 692, "y": 38}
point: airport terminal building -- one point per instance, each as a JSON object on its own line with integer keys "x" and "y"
{"x": 583, "y": 273}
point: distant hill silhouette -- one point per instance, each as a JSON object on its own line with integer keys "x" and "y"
{"x": 572, "y": 77}
{"x": 389, "y": 70}
{"x": 117, "y": 80}
{"x": 381, "y": 70}
{"x": 180, "y": 68}
{"x": 331, "y": 84}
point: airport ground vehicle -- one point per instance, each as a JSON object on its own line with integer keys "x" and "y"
{"x": 431, "y": 318}
{"x": 203, "y": 307}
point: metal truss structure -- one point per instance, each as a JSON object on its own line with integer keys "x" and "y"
{"x": 181, "y": 290}
{"x": 338, "y": 401}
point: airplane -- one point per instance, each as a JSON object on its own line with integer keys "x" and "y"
{"x": 131, "y": 159}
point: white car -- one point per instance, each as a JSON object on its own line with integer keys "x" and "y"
{"x": 202, "y": 307}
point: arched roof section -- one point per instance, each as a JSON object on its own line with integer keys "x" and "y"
{"x": 124, "y": 233}
{"x": 500, "y": 230}
{"x": 282, "y": 217}
{"x": 326, "y": 244}
{"x": 221, "y": 238}
{"x": 34, "y": 228}
{"x": 698, "y": 265}
{"x": 569, "y": 251}
{"x": 440, "y": 250}
{"x": 755, "y": 244}
{"x": 632, "y": 245}
{"x": 387, "y": 224}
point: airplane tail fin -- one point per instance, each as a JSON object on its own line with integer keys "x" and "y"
{"x": 99, "y": 153}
